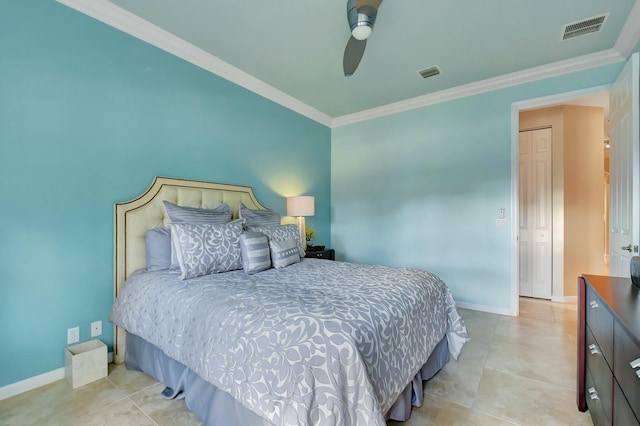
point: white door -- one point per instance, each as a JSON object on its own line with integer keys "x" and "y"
{"x": 624, "y": 226}
{"x": 535, "y": 213}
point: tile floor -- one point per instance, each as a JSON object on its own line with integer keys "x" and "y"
{"x": 514, "y": 371}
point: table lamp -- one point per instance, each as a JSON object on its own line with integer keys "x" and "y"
{"x": 300, "y": 207}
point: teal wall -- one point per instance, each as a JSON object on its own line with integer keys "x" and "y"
{"x": 88, "y": 116}
{"x": 422, "y": 188}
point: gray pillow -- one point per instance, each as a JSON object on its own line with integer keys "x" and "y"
{"x": 158, "y": 249}
{"x": 254, "y": 247}
{"x": 259, "y": 217}
{"x": 281, "y": 233}
{"x": 284, "y": 253}
{"x": 206, "y": 248}
{"x": 182, "y": 214}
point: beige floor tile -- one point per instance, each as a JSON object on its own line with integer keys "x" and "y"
{"x": 480, "y": 326}
{"x": 527, "y": 402}
{"x": 565, "y": 315}
{"x": 437, "y": 412}
{"x": 129, "y": 381}
{"x": 540, "y": 334}
{"x": 535, "y": 309}
{"x": 164, "y": 411}
{"x": 37, "y": 407}
{"x": 120, "y": 413}
{"x": 458, "y": 381}
{"x": 556, "y": 365}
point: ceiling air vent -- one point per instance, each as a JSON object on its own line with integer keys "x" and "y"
{"x": 586, "y": 26}
{"x": 429, "y": 72}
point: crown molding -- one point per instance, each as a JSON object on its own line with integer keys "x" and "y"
{"x": 123, "y": 20}
{"x": 580, "y": 63}
{"x": 630, "y": 35}
{"x": 135, "y": 26}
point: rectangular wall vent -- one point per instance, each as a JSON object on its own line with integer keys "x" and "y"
{"x": 585, "y": 26}
{"x": 429, "y": 72}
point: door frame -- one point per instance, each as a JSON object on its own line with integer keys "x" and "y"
{"x": 557, "y": 291}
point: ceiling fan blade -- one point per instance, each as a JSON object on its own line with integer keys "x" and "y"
{"x": 352, "y": 55}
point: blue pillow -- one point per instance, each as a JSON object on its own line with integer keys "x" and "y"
{"x": 158, "y": 249}
{"x": 259, "y": 217}
{"x": 254, "y": 248}
{"x": 281, "y": 233}
{"x": 284, "y": 253}
{"x": 182, "y": 214}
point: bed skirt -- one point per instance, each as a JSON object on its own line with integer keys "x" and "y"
{"x": 214, "y": 407}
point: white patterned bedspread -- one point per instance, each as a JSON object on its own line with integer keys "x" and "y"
{"x": 318, "y": 342}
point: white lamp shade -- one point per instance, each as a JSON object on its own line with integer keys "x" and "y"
{"x": 303, "y": 205}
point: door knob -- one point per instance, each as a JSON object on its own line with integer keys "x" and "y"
{"x": 627, "y": 248}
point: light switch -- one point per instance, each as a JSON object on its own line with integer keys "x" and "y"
{"x": 501, "y": 213}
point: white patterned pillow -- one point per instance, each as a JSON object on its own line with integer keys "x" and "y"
{"x": 284, "y": 253}
{"x": 255, "y": 252}
{"x": 281, "y": 233}
{"x": 207, "y": 248}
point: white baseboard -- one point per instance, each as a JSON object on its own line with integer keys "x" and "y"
{"x": 36, "y": 381}
{"x": 31, "y": 383}
{"x": 485, "y": 308}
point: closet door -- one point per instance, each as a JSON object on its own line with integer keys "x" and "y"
{"x": 535, "y": 213}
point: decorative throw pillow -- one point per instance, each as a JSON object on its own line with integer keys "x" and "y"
{"x": 182, "y": 214}
{"x": 254, "y": 247}
{"x": 284, "y": 253}
{"x": 281, "y": 233}
{"x": 158, "y": 249}
{"x": 259, "y": 217}
{"x": 207, "y": 248}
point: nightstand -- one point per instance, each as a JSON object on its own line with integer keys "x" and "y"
{"x": 328, "y": 254}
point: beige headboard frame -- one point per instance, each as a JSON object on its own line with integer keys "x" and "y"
{"x": 133, "y": 219}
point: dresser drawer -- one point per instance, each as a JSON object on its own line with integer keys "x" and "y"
{"x": 600, "y": 373}
{"x": 600, "y": 321}
{"x": 622, "y": 413}
{"x": 626, "y": 352}
{"x": 596, "y": 406}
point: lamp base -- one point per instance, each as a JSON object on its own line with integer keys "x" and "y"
{"x": 303, "y": 233}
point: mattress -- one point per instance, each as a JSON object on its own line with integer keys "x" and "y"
{"x": 317, "y": 342}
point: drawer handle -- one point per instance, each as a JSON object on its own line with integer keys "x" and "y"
{"x": 594, "y": 349}
{"x": 635, "y": 363}
{"x": 593, "y": 304}
{"x": 592, "y": 393}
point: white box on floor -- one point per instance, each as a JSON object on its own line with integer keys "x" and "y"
{"x": 85, "y": 363}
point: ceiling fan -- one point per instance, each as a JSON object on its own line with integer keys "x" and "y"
{"x": 361, "y": 15}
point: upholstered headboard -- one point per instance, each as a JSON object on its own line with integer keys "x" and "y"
{"x": 135, "y": 217}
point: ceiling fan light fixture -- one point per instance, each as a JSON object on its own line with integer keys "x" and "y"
{"x": 362, "y": 31}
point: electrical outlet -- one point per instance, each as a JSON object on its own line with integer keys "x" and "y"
{"x": 73, "y": 335}
{"x": 96, "y": 328}
{"x": 501, "y": 223}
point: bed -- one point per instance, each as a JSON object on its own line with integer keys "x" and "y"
{"x": 315, "y": 342}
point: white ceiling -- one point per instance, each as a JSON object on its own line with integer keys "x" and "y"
{"x": 291, "y": 51}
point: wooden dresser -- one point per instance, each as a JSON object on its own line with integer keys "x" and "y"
{"x": 609, "y": 350}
